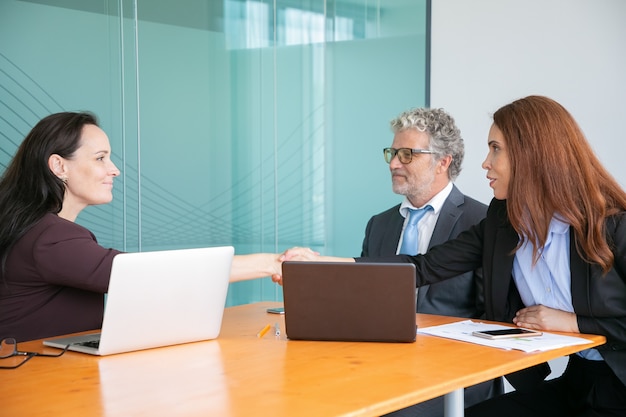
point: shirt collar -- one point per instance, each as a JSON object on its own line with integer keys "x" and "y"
{"x": 436, "y": 202}
{"x": 558, "y": 225}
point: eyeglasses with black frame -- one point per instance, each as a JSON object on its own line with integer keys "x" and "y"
{"x": 8, "y": 349}
{"x": 405, "y": 155}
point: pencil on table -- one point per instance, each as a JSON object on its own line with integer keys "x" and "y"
{"x": 263, "y": 331}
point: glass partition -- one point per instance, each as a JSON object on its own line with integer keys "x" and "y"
{"x": 257, "y": 124}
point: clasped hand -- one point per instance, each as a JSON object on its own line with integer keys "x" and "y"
{"x": 294, "y": 254}
{"x": 540, "y": 317}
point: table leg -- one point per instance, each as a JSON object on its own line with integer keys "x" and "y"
{"x": 453, "y": 404}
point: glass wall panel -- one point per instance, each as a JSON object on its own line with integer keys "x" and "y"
{"x": 55, "y": 58}
{"x": 258, "y": 124}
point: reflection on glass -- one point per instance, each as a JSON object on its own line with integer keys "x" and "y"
{"x": 250, "y": 24}
{"x": 230, "y": 120}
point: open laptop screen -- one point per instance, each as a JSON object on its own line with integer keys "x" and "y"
{"x": 160, "y": 298}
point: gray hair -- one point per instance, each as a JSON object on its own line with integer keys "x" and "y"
{"x": 445, "y": 136}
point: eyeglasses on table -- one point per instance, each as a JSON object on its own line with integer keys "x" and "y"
{"x": 8, "y": 349}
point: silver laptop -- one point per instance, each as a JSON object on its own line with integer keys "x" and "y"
{"x": 159, "y": 298}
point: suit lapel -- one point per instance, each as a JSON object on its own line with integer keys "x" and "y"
{"x": 579, "y": 275}
{"x": 391, "y": 238}
{"x": 501, "y": 275}
{"x": 448, "y": 216}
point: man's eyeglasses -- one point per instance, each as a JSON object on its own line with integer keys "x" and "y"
{"x": 8, "y": 349}
{"x": 405, "y": 155}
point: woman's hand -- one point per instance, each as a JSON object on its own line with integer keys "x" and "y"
{"x": 545, "y": 318}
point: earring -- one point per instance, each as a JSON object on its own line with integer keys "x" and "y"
{"x": 64, "y": 179}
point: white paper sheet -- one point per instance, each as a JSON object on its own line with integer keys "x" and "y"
{"x": 462, "y": 330}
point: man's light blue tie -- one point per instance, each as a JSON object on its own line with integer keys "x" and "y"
{"x": 410, "y": 237}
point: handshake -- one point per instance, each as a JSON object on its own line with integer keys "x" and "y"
{"x": 293, "y": 254}
{"x": 302, "y": 254}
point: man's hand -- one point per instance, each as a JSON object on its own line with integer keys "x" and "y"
{"x": 294, "y": 254}
{"x": 299, "y": 254}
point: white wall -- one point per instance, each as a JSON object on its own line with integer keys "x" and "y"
{"x": 487, "y": 53}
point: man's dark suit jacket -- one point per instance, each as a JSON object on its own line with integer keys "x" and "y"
{"x": 599, "y": 299}
{"x": 459, "y": 297}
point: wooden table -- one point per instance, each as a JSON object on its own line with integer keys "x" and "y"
{"x": 240, "y": 374}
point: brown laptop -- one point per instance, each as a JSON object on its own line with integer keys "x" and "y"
{"x": 365, "y": 302}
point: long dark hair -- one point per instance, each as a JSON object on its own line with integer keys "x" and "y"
{"x": 28, "y": 188}
{"x": 554, "y": 170}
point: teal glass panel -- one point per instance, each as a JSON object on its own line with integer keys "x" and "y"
{"x": 57, "y": 58}
{"x": 258, "y": 124}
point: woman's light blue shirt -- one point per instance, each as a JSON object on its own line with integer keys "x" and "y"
{"x": 548, "y": 282}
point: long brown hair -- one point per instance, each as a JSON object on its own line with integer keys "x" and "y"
{"x": 555, "y": 171}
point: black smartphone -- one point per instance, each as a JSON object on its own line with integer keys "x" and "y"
{"x": 276, "y": 310}
{"x": 506, "y": 333}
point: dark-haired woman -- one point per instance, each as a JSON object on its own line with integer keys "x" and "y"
{"x": 53, "y": 272}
